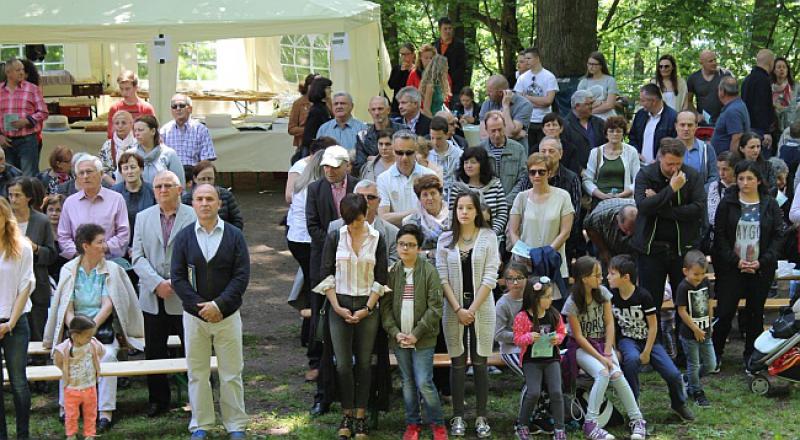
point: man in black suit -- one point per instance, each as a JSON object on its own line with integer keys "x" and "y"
{"x": 410, "y": 101}
{"x": 582, "y": 132}
{"x": 455, "y": 52}
{"x": 322, "y": 207}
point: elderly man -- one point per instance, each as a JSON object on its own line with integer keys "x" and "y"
{"x": 210, "y": 270}
{"x": 582, "y": 131}
{"x": 455, "y": 52}
{"x": 396, "y": 185}
{"x": 128, "y": 84}
{"x": 733, "y": 121}
{"x": 409, "y": 101}
{"x": 757, "y": 96}
{"x": 653, "y": 122}
{"x": 515, "y": 109}
{"x": 453, "y": 128}
{"x": 445, "y": 153}
{"x": 189, "y": 138}
{"x": 153, "y": 238}
{"x": 322, "y": 207}
{"x": 343, "y": 127}
{"x": 93, "y": 204}
{"x": 510, "y": 158}
{"x": 703, "y": 85}
{"x": 367, "y": 140}
{"x": 610, "y": 227}
{"x": 539, "y": 86}
{"x": 7, "y": 173}
{"x": 698, "y": 155}
{"x": 22, "y": 112}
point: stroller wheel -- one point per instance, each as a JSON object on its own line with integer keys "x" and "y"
{"x": 760, "y": 384}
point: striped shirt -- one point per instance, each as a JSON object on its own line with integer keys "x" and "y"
{"x": 347, "y": 136}
{"x": 355, "y": 273}
{"x": 495, "y": 198}
{"x": 407, "y": 306}
{"x": 497, "y": 154}
{"x": 192, "y": 142}
{"x": 26, "y": 102}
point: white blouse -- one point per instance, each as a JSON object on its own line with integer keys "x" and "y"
{"x": 355, "y": 274}
{"x": 17, "y": 277}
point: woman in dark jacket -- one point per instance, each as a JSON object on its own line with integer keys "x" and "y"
{"x": 749, "y": 235}
{"x": 399, "y": 75}
{"x": 206, "y": 172}
{"x": 137, "y": 193}
{"x": 319, "y": 93}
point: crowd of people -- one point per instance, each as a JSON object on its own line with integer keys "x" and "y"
{"x": 103, "y": 256}
{"x": 553, "y": 242}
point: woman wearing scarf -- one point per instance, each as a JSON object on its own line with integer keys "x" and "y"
{"x": 121, "y": 139}
{"x": 60, "y": 170}
{"x": 157, "y": 156}
{"x": 432, "y": 215}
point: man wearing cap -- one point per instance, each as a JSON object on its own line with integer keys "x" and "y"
{"x": 396, "y": 185}
{"x": 322, "y": 207}
{"x": 22, "y": 113}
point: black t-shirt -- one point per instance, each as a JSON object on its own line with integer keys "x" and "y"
{"x": 695, "y": 299}
{"x": 631, "y": 314}
{"x": 706, "y": 92}
{"x": 466, "y": 272}
{"x": 546, "y": 325}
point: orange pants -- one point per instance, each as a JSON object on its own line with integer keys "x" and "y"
{"x": 76, "y": 400}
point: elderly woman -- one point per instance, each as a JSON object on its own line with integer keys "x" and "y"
{"x": 477, "y": 172}
{"x": 157, "y": 156}
{"x": 25, "y": 196}
{"x": 137, "y": 193}
{"x": 432, "y": 215}
{"x": 613, "y": 166}
{"x": 748, "y": 237}
{"x": 16, "y": 285}
{"x": 60, "y": 171}
{"x": 467, "y": 260}
{"x": 100, "y": 289}
{"x": 410, "y": 315}
{"x": 206, "y": 172}
{"x": 354, "y": 267}
{"x": 385, "y": 159}
{"x": 121, "y": 139}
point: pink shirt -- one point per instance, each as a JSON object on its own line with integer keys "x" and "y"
{"x": 108, "y": 210}
{"x": 339, "y": 190}
{"x": 26, "y": 102}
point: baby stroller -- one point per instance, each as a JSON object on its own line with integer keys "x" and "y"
{"x": 775, "y": 362}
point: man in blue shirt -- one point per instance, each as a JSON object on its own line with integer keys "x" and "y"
{"x": 343, "y": 127}
{"x": 698, "y": 155}
{"x": 733, "y": 121}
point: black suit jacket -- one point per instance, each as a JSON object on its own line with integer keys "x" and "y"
{"x": 423, "y": 127}
{"x": 320, "y": 212}
{"x": 577, "y": 144}
{"x": 40, "y": 232}
{"x": 456, "y": 61}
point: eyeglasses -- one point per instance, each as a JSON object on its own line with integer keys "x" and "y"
{"x": 515, "y": 280}
{"x": 665, "y": 66}
{"x": 538, "y": 172}
{"x": 404, "y": 245}
{"x": 179, "y": 106}
{"x": 405, "y": 152}
{"x": 84, "y": 173}
{"x": 164, "y": 186}
{"x": 592, "y": 64}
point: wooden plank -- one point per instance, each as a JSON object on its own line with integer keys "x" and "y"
{"x": 126, "y": 368}
{"x": 36, "y": 349}
{"x": 443, "y": 360}
{"x": 771, "y": 304}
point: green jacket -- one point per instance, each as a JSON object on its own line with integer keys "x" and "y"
{"x": 427, "y": 303}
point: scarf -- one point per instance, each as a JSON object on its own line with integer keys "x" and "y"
{"x": 62, "y": 177}
{"x": 124, "y": 144}
{"x": 432, "y": 226}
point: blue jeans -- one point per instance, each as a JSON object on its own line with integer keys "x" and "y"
{"x": 660, "y": 361}
{"x": 14, "y": 346}
{"x": 416, "y": 369}
{"x": 700, "y": 359}
{"x": 24, "y": 154}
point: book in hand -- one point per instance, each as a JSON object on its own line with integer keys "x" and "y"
{"x": 543, "y": 347}
{"x": 191, "y": 272}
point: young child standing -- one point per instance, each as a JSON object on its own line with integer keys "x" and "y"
{"x": 691, "y": 300}
{"x": 591, "y": 325}
{"x": 78, "y": 357}
{"x": 537, "y": 320}
{"x": 635, "y": 313}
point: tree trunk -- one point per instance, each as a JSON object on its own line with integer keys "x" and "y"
{"x": 566, "y": 32}
{"x": 511, "y": 45}
{"x": 390, "y": 30}
{"x": 467, "y": 31}
{"x": 764, "y": 19}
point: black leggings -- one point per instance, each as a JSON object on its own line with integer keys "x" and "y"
{"x": 535, "y": 372}
{"x": 480, "y": 374}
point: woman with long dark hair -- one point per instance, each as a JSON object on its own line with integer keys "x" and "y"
{"x": 400, "y": 71}
{"x": 750, "y": 149}
{"x": 673, "y": 87}
{"x": 299, "y": 113}
{"x": 748, "y": 238}
{"x": 784, "y": 93}
{"x": 319, "y": 94}
{"x": 476, "y": 172}
{"x": 601, "y": 84}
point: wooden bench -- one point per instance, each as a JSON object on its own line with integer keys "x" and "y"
{"x": 126, "y": 368}
{"x": 772, "y": 304}
{"x": 443, "y": 360}
{"x": 36, "y": 349}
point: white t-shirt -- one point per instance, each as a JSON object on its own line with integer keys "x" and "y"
{"x": 23, "y": 228}
{"x": 539, "y": 85}
{"x": 17, "y": 275}
{"x": 397, "y": 190}
{"x": 82, "y": 374}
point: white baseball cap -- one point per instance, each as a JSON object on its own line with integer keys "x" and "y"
{"x": 334, "y": 156}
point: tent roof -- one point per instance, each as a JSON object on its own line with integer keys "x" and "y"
{"x": 70, "y": 21}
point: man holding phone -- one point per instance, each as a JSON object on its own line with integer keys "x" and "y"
{"x": 516, "y": 110}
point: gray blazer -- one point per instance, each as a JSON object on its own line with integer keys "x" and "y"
{"x": 151, "y": 259}
{"x": 40, "y": 232}
{"x": 388, "y": 230}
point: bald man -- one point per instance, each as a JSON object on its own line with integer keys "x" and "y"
{"x": 703, "y": 85}
{"x": 367, "y": 140}
{"x": 22, "y": 113}
{"x": 516, "y": 110}
{"x": 757, "y": 96}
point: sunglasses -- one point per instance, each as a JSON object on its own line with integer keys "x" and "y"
{"x": 371, "y": 197}
{"x": 665, "y": 66}
{"x": 405, "y": 152}
{"x": 179, "y": 106}
{"x": 537, "y": 172}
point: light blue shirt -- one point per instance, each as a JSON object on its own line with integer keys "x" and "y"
{"x": 89, "y": 292}
{"x": 347, "y": 136}
{"x": 209, "y": 242}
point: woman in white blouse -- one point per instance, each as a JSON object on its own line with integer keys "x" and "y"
{"x": 467, "y": 260}
{"x": 16, "y": 283}
{"x": 612, "y": 167}
{"x": 354, "y": 267}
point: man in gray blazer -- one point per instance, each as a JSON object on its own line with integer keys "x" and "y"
{"x": 155, "y": 229}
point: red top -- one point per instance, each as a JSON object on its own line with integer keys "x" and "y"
{"x": 141, "y": 107}
{"x": 26, "y": 102}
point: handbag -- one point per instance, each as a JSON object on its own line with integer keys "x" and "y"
{"x": 105, "y": 333}
{"x": 322, "y": 323}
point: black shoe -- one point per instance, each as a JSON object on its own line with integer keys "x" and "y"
{"x": 319, "y": 409}
{"x": 104, "y": 425}
{"x": 541, "y": 426}
{"x": 701, "y": 400}
{"x": 156, "y": 410}
{"x": 684, "y": 413}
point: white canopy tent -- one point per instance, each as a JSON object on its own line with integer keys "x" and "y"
{"x": 363, "y": 70}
